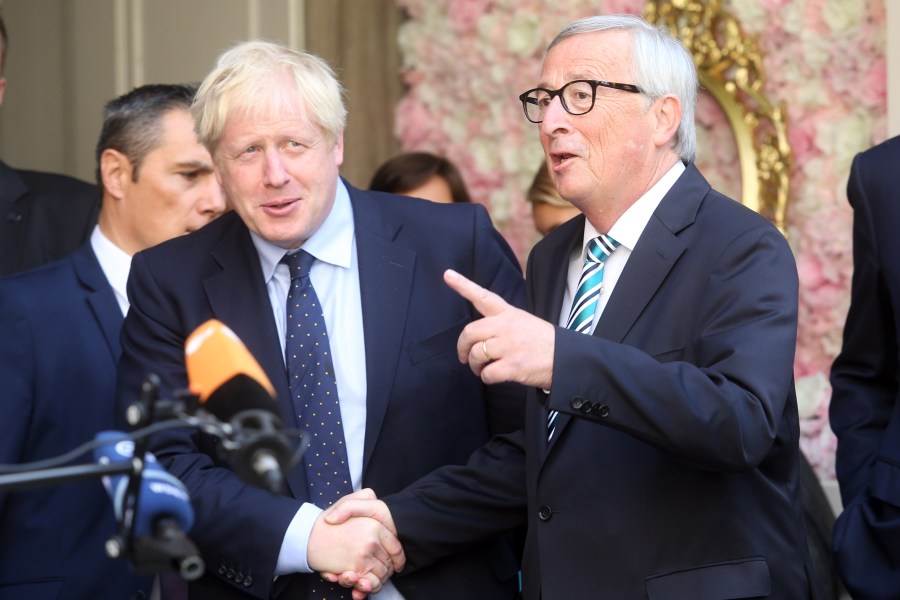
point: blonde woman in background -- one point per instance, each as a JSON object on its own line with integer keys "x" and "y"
{"x": 548, "y": 209}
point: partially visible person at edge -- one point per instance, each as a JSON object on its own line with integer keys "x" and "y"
{"x": 43, "y": 216}
{"x": 865, "y": 399}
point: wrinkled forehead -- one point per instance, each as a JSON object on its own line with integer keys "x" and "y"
{"x": 597, "y": 55}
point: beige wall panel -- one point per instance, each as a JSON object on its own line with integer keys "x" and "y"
{"x": 280, "y": 22}
{"x": 42, "y": 70}
{"x": 88, "y": 79}
{"x": 182, "y": 38}
{"x": 67, "y": 58}
{"x": 359, "y": 40}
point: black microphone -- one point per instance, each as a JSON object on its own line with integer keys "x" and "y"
{"x": 233, "y": 387}
{"x": 163, "y": 515}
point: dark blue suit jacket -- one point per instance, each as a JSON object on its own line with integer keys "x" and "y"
{"x": 43, "y": 217}
{"x": 673, "y": 472}
{"x": 59, "y": 328}
{"x": 424, "y": 409}
{"x": 865, "y": 380}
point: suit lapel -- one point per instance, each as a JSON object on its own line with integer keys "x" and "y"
{"x": 238, "y": 297}
{"x": 552, "y": 266}
{"x": 656, "y": 252}
{"x": 100, "y": 296}
{"x": 385, "y": 281}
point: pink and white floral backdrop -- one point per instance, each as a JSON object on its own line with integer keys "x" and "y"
{"x": 466, "y": 61}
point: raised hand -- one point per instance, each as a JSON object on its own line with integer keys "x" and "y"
{"x": 508, "y": 344}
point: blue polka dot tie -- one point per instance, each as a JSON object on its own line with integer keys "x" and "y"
{"x": 584, "y": 306}
{"x": 315, "y": 396}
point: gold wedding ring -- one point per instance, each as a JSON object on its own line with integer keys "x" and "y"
{"x": 487, "y": 355}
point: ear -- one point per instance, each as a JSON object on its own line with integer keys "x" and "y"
{"x": 339, "y": 149}
{"x": 667, "y": 111}
{"x": 115, "y": 171}
{"x": 2, "y": 89}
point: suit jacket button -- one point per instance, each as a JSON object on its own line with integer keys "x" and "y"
{"x": 221, "y": 570}
{"x": 602, "y": 410}
{"x": 577, "y": 402}
{"x": 545, "y": 513}
{"x": 248, "y": 581}
{"x": 230, "y": 574}
{"x": 238, "y": 578}
{"x": 14, "y": 217}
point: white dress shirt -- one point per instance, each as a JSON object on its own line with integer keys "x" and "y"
{"x": 115, "y": 263}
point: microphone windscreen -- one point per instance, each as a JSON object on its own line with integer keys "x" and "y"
{"x": 161, "y": 495}
{"x": 241, "y": 392}
{"x": 213, "y": 355}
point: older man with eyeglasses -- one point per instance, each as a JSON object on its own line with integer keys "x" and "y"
{"x": 660, "y": 453}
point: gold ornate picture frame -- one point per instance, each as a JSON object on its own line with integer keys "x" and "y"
{"x": 729, "y": 66}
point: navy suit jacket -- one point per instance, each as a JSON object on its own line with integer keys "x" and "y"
{"x": 865, "y": 380}
{"x": 43, "y": 217}
{"x": 424, "y": 408}
{"x": 59, "y": 343}
{"x": 673, "y": 472}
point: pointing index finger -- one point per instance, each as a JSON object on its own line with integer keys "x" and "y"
{"x": 485, "y": 301}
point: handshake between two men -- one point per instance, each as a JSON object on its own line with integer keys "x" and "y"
{"x": 357, "y": 544}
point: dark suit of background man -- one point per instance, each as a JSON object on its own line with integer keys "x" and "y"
{"x": 273, "y": 120}
{"x": 43, "y": 216}
{"x": 672, "y": 470}
{"x": 865, "y": 380}
{"x": 59, "y": 343}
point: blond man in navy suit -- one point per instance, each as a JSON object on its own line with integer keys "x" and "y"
{"x": 273, "y": 119}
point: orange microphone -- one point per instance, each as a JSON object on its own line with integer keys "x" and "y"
{"x": 223, "y": 373}
{"x": 232, "y": 386}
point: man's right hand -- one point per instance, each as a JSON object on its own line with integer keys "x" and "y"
{"x": 357, "y": 539}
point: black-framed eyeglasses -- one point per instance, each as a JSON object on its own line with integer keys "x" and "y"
{"x": 577, "y": 97}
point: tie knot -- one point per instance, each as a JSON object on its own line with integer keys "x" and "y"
{"x": 299, "y": 263}
{"x": 599, "y": 248}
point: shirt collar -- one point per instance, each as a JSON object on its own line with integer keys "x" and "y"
{"x": 629, "y": 227}
{"x": 115, "y": 263}
{"x": 332, "y": 242}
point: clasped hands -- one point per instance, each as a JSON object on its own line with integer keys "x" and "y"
{"x": 354, "y": 543}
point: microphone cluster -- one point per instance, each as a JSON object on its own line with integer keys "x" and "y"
{"x": 231, "y": 385}
{"x": 231, "y": 398}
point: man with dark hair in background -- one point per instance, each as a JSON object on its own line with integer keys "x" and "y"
{"x": 43, "y": 216}
{"x": 60, "y": 345}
